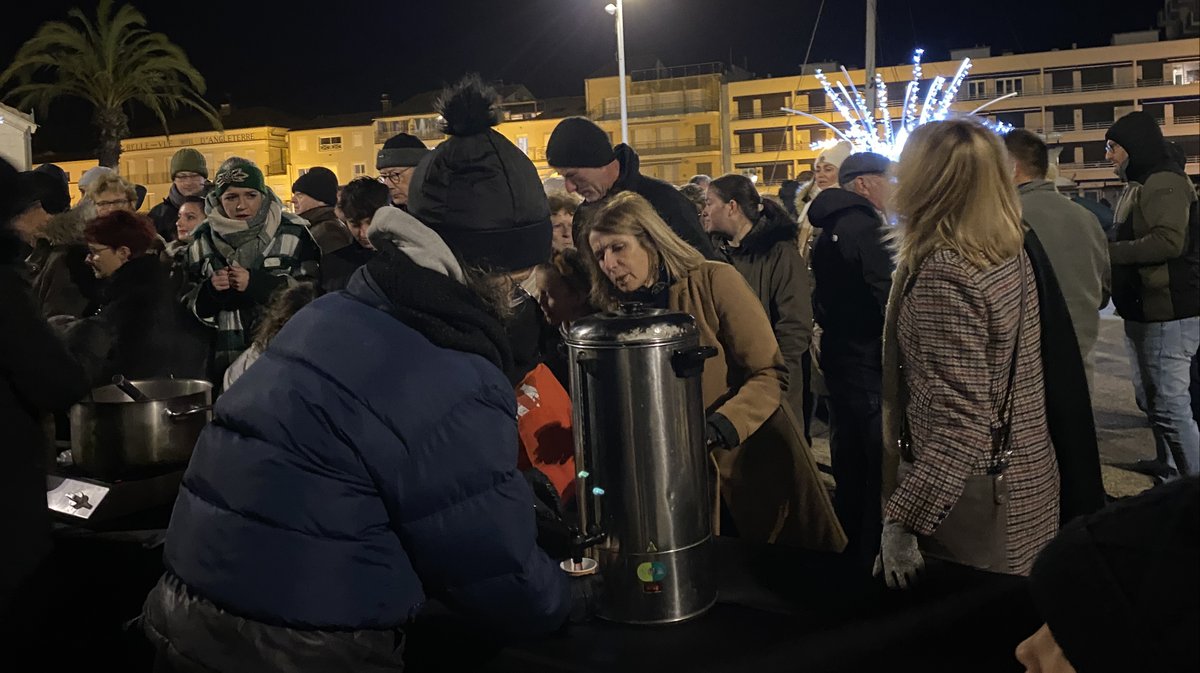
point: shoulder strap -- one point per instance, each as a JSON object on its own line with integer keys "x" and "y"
{"x": 1002, "y": 437}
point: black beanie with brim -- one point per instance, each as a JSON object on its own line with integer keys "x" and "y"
{"x": 401, "y": 151}
{"x": 1120, "y": 589}
{"x": 478, "y": 191}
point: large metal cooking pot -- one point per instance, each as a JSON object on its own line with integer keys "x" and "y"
{"x": 112, "y": 434}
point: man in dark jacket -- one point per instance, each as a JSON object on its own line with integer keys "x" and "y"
{"x": 314, "y": 196}
{"x": 1155, "y": 256}
{"x": 592, "y": 168}
{"x": 189, "y": 177}
{"x": 333, "y": 493}
{"x": 853, "y": 268}
{"x": 37, "y": 377}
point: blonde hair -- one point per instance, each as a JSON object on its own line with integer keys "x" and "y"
{"x": 956, "y": 192}
{"x": 113, "y": 182}
{"x": 631, "y": 215}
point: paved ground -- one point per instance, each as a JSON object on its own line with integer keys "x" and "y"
{"x": 1122, "y": 429}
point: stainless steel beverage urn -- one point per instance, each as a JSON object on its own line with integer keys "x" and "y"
{"x": 643, "y": 472}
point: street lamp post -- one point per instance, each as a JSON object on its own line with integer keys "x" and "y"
{"x": 618, "y": 11}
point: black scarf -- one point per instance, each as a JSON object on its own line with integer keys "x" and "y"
{"x": 447, "y": 313}
{"x": 657, "y": 295}
{"x": 1068, "y": 402}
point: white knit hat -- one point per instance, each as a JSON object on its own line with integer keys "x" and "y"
{"x": 836, "y": 154}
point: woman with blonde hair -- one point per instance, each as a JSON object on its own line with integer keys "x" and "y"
{"x": 964, "y": 396}
{"x": 767, "y": 476}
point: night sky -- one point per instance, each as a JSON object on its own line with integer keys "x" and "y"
{"x": 311, "y": 58}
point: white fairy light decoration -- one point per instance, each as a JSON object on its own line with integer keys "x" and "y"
{"x": 868, "y": 132}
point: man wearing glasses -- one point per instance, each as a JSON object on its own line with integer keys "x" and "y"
{"x": 189, "y": 177}
{"x": 395, "y": 163}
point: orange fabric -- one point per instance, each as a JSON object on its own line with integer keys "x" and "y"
{"x": 544, "y": 428}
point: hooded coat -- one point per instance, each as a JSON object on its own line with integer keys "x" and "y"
{"x": 62, "y": 281}
{"x": 1155, "y": 252}
{"x": 334, "y": 492}
{"x": 852, "y": 267}
{"x": 673, "y": 207}
{"x": 769, "y": 261}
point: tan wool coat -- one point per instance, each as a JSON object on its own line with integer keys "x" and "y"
{"x": 947, "y": 351}
{"x": 770, "y": 482}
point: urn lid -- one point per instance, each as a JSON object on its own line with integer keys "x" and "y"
{"x": 632, "y": 325}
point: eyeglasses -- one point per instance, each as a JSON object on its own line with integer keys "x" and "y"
{"x": 112, "y": 204}
{"x": 95, "y": 252}
{"x": 393, "y": 177}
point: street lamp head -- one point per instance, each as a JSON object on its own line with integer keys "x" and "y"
{"x": 611, "y": 9}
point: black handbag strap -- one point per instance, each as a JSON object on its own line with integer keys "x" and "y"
{"x": 1002, "y": 436}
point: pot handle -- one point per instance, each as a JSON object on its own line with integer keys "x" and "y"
{"x": 688, "y": 362}
{"x": 178, "y": 415}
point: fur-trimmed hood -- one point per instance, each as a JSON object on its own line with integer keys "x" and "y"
{"x": 773, "y": 226}
{"x": 67, "y": 227}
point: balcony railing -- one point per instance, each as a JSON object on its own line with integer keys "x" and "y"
{"x": 762, "y": 114}
{"x": 1069, "y": 126}
{"x": 1092, "y": 126}
{"x": 329, "y": 147}
{"x": 768, "y": 148}
{"x": 675, "y": 147}
{"x": 1187, "y": 119}
{"x": 654, "y": 110}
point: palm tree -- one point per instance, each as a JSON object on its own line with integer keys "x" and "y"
{"x": 112, "y": 63}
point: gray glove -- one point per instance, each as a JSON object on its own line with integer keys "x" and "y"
{"x": 899, "y": 559}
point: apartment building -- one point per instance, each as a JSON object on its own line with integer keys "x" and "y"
{"x": 1069, "y": 96}
{"x": 675, "y": 117}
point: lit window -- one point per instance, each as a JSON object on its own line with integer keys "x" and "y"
{"x": 1185, "y": 73}
{"x": 329, "y": 143}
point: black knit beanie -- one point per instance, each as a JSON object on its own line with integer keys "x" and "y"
{"x": 319, "y": 183}
{"x": 1120, "y": 589}
{"x": 401, "y": 151}
{"x": 578, "y": 143}
{"x": 479, "y": 192}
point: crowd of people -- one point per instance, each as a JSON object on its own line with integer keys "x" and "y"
{"x": 940, "y": 311}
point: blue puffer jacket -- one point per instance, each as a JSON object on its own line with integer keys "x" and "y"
{"x": 355, "y": 468}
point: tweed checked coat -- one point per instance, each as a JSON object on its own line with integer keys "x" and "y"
{"x": 955, "y": 327}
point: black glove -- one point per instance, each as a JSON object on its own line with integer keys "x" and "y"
{"x": 554, "y": 534}
{"x": 719, "y": 433}
{"x": 585, "y": 597}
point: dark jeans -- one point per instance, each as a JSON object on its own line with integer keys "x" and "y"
{"x": 856, "y": 445}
